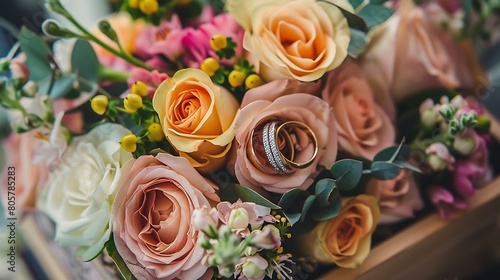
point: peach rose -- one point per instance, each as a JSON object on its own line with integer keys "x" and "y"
{"x": 197, "y": 117}
{"x": 409, "y": 53}
{"x": 364, "y": 127}
{"x": 398, "y": 198}
{"x": 345, "y": 240}
{"x": 302, "y": 107}
{"x": 152, "y": 217}
{"x": 29, "y": 176}
{"x": 300, "y": 39}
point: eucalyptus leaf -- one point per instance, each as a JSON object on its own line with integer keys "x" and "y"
{"x": 347, "y": 173}
{"x": 250, "y": 195}
{"x": 327, "y": 190}
{"x": 467, "y": 8}
{"x": 383, "y": 170}
{"x": 375, "y": 15}
{"x": 60, "y": 87}
{"x": 117, "y": 259}
{"x": 408, "y": 166}
{"x": 357, "y": 43}
{"x": 326, "y": 213}
{"x": 287, "y": 201}
{"x": 353, "y": 20}
{"x": 356, "y": 3}
{"x": 307, "y": 206}
{"x": 85, "y": 64}
{"x": 289, "y": 198}
{"x": 393, "y": 153}
{"x": 37, "y": 54}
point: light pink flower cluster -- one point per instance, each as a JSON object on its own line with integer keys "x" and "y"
{"x": 237, "y": 233}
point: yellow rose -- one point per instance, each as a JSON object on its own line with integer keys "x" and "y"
{"x": 197, "y": 118}
{"x": 345, "y": 240}
{"x": 300, "y": 39}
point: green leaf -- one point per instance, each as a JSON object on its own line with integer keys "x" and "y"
{"x": 467, "y": 8}
{"x": 355, "y": 3}
{"x": 383, "y": 170}
{"x": 393, "y": 153}
{"x": 328, "y": 212}
{"x": 357, "y": 43}
{"x": 85, "y": 64}
{"x": 117, "y": 259}
{"x": 307, "y": 206}
{"x": 375, "y": 14}
{"x": 353, "y": 20}
{"x": 323, "y": 190}
{"x": 136, "y": 117}
{"x": 347, "y": 173}
{"x": 407, "y": 165}
{"x": 287, "y": 201}
{"x": 37, "y": 54}
{"x": 61, "y": 86}
{"x": 249, "y": 195}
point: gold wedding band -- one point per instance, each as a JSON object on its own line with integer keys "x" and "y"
{"x": 310, "y": 134}
{"x": 281, "y": 163}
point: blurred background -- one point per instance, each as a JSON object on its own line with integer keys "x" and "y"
{"x": 480, "y": 257}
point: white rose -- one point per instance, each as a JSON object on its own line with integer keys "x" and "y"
{"x": 79, "y": 194}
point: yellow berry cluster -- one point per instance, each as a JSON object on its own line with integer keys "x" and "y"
{"x": 148, "y": 7}
{"x": 237, "y": 76}
{"x": 135, "y": 100}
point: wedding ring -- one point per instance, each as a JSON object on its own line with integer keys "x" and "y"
{"x": 279, "y": 148}
{"x": 310, "y": 133}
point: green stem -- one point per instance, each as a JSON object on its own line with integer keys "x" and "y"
{"x": 132, "y": 60}
{"x": 110, "y": 74}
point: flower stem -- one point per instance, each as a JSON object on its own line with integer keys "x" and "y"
{"x": 110, "y": 74}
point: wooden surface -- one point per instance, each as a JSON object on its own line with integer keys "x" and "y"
{"x": 433, "y": 248}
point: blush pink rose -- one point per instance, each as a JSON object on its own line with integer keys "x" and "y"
{"x": 29, "y": 176}
{"x": 409, "y": 53}
{"x": 152, "y": 217}
{"x": 364, "y": 127}
{"x": 398, "y": 198}
{"x": 302, "y": 107}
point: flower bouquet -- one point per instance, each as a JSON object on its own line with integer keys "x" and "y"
{"x": 246, "y": 139}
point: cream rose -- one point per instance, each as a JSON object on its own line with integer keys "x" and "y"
{"x": 300, "y": 39}
{"x": 79, "y": 194}
{"x": 197, "y": 117}
{"x": 409, "y": 53}
{"x": 364, "y": 127}
{"x": 398, "y": 198}
{"x": 152, "y": 218}
{"x": 344, "y": 240}
{"x": 302, "y": 107}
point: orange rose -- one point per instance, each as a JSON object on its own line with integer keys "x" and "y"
{"x": 197, "y": 117}
{"x": 364, "y": 127}
{"x": 345, "y": 240}
{"x": 300, "y": 39}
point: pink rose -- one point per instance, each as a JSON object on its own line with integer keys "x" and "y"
{"x": 152, "y": 217}
{"x": 364, "y": 127}
{"x": 29, "y": 176}
{"x": 409, "y": 53}
{"x": 398, "y": 198}
{"x": 445, "y": 202}
{"x": 301, "y": 107}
